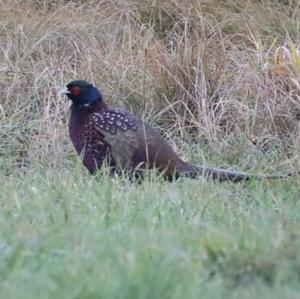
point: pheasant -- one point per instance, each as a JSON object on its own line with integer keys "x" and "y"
{"x": 101, "y": 133}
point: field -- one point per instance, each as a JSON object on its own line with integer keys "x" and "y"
{"x": 220, "y": 81}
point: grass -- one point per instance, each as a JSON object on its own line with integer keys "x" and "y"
{"x": 67, "y": 235}
{"x": 220, "y": 80}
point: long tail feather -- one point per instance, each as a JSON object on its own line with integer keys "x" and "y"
{"x": 229, "y": 175}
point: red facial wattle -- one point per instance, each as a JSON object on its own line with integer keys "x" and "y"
{"x": 75, "y": 90}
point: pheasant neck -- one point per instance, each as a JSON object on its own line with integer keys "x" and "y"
{"x": 90, "y": 108}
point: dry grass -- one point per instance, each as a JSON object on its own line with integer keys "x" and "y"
{"x": 224, "y": 74}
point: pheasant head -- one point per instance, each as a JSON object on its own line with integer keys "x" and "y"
{"x": 82, "y": 93}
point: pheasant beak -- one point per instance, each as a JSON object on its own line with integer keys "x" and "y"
{"x": 64, "y": 91}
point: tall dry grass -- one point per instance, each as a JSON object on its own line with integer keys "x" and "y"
{"x": 224, "y": 74}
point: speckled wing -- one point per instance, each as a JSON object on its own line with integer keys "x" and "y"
{"x": 111, "y": 121}
{"x": 134, "y": 144}
{"x": 119, "y": 129}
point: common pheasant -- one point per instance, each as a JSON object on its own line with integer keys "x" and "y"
{"x": 102, "y": 133}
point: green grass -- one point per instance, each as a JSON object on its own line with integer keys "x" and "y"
{"x": 69, "y": 235}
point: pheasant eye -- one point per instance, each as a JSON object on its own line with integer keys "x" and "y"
{"x": 75, "y": 90}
